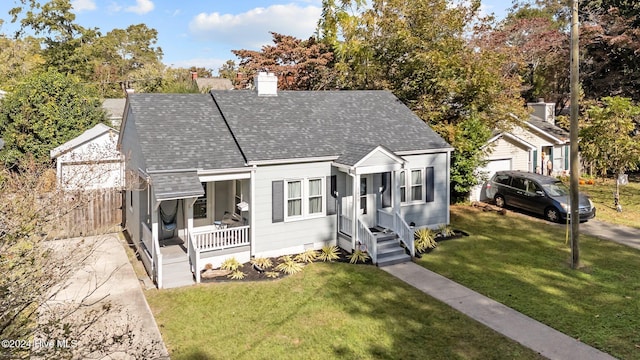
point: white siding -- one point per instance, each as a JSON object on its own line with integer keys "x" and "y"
{"x": 436, "y": 212}
{"x": 508, "y": 149}
{"x": 378, "y": 158}
{"x": 95, "y": 164}
{"x": 273, "y": 239}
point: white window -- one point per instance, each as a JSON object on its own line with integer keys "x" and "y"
{"x": 315, "y": 196}
{"x": 416, "y": 185}
{"x": 304, "y": 198}
{"x": 294, "y": 198}
{"x": 403, "y": 187}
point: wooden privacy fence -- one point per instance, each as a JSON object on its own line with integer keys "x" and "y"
{"x": 90, "y": 213}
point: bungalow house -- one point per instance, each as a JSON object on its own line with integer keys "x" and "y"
{"x": 265, "y": 173}
{"x": 537, "y": 146}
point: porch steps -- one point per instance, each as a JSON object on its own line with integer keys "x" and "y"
{"x": 389, "y": 250}
{"x": 176, "y": 271}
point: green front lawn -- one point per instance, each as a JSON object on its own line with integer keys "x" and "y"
{"x": 523, "y": 263}
{"x": 328, "y": 311}
{"x": 601, "y": 193}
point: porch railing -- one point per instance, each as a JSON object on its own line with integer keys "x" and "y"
{"x": 221, "y": 238}
{"x": 366, "y": 237}
{"x": 345, "y": 224}
{"x": 385, "y": 219}
{"x": 405, "y": 233}
{"x": 153, "y": 246}
{"x": 194, "y": 258}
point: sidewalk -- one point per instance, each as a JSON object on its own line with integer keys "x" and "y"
{"x": 548, "y": 342}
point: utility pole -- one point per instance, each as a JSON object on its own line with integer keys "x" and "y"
{"x": 575, "y": 170}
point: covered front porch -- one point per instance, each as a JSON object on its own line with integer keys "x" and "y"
{"x": 368, "y": 193}
{"x": 207, "y": 220}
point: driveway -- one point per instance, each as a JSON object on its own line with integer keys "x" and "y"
{"x": 621, "y": 234}
{"x": 108, "y": 276}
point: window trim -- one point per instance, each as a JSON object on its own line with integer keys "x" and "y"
{"x": 420, "y": 184}
{"x": 305, "y": 197}
{"x": 408, "y": 186}
{"x": 321, "y": 196}
{"x": 287, "y": 199}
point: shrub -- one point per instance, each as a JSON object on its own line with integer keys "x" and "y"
{"x": 272, "y": 274}
{"x": 237, "y": 275}
{"x": 425, "y": 239}
{"x": 446, "y": 230}
{"x": 329, "y": 253}
{"x": 307, "y": 256}
{"x": 288, "y": 265}
{"x": 264, "y": 263}
{"x": 208, "y": 266}
{"x": 230, "y": 264}
{"x": 358, "y": 256}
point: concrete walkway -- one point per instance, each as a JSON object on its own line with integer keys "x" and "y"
{"x": 548, "y": 342}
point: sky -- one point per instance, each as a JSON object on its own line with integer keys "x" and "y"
{"x": 202, "y": 33}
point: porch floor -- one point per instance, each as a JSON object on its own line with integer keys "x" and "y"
{"x": 172, "y": 248}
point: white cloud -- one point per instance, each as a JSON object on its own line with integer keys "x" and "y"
{"x": 251, "y": 29}
{"x": 142, "y": 7}
{"x": 114, "y": 7}
{"x": 83, "y": 5}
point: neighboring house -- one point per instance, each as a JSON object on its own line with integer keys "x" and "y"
{"x": 90, "y": 161}
{"x": 539, "y": 146}
{"x": 264, "y": 173}
{"x": 208, "y": 84}
{"x": 115, "y": 110}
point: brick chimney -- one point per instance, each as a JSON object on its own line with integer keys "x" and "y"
{"x": 266, "y": 84}
{"x": 194, "y": 75}
{"x": 544, "y": 110}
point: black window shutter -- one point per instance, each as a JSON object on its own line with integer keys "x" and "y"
{"x": 429, "y": 188}
{"x": 386, "y": 194}
{"x": 331, "y": 188}
{"x": 277, "y": 201}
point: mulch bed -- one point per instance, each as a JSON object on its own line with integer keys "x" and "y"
{"x": 254, "y": 275}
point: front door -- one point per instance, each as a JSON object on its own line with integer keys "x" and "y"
{"x": 367, "y": 200}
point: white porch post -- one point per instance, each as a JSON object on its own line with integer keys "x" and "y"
{"x": 252, "y": 188}
{"x": 355, "y": 210}
{"x": 188, "y": 218}
{"x": 154, "y": 233}
{"x": 396, "y": 197}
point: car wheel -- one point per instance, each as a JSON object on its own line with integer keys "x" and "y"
{"x": 552, "y": 214}
{"x": 500, "y": 201}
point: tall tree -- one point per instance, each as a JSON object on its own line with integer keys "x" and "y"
{"x": 609, "y": 139}
{"x": 433, "y": 69}
{"x": 18, "y": 58}
{"x": 44, "y": 111}
{"x": 299, "y": 64}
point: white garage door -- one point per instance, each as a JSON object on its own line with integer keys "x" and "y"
{"x": 477, "y": 194}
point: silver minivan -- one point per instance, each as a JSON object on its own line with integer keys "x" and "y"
{"x": 543, "y": 195}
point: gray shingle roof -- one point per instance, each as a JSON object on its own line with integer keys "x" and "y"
{"x": 187, "y": 131}
{"x": 168, "y": 186}
{"x": 549, "y": 128}
{"x": 304, "y": 124}
{"x": 182, "y": 131}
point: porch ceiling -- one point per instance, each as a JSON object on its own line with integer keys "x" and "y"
{"x": 179, "y": 185}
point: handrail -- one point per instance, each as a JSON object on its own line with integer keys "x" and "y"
{"x": 221, "y": 238}
{"x": 371, "y": 242}
{"x": 345, "y": 224}
{"x": 405, "y": 234}
{"x": 385, "y": 219}
{"x": 156, "y": 254}
{"x": 194, "y": 258}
